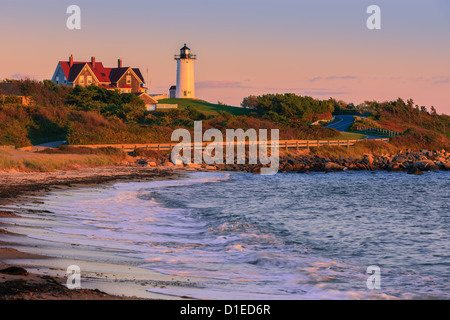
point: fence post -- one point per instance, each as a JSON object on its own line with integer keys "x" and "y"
{"x": 159, "y": 147}
{"x": 307, "y": 144}
{"x": 286, "y": 145}
{"x": 296, "y": 144}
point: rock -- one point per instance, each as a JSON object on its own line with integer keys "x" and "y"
{"x": 395, "y": 167}
{"x": 368, "y": 158}
{"x": 298, "y": 167}
{"x": 425, "y": 165}
{"x": 407, "y": 164}
{"x": 288, "y": 168}
{"x": 447, "y": 165}
{"x": 414, "y": 170}
{"x": 333, "y": 166}
{"x": 256, "y": 170}
{"x": 168, "y": 164}
{"x": 210, "y": 168}
{"x": 440, "y": 165}
{"x": 352, "y": 166}
{"x": 152, "y": 164}
{"x": 14, "y": 271}
{"x": 194, "y": 165}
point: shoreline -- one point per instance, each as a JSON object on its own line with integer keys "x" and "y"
{"x": 27, "y": 272}
{"x": 31, "y": 273}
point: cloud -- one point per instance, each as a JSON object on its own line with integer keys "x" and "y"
{"x": 330, "y": 78}
{"x": 441, "y": 80}
{"x": 310, "y": 91}
{"x": 342, "y": 78}
{"x": 315, "y": 79}
{"x": 19, "y": 76}
{"x": 434, "y": 80}
{"x": 220, "y": 84}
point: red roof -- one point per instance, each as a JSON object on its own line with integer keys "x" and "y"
{"x": 101, "y": 73}
{"x": 107, "y": 86}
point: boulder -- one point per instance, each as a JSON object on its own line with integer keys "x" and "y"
{"x": 210, "y": 168}
{"x": 168, "y": 164}
{"x": 152, "y": 164}
{"x": 256, "y": 170}
{"x": 414, "y": 170}
{"x": 298, "y": 167}
{"x": 194, "y": 165}
{"x": 440, "y": 165}
{"x": 447, "y": 165}
{"x": 368, "y": 158}
{"x": 425, "y": 165}
{"x": 395, "y": 167}
{"x": 407, "y": 164}
{"x": 14, "y": 271}
{"x": 333, "y": 166}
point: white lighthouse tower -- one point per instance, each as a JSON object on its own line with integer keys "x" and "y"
{"x": 185, "y": 73}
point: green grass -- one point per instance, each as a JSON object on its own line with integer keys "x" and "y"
{"x": 206, "y": 107}
{"x": 348, "y": 136}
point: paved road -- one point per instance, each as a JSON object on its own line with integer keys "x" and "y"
{"x": 54, "y": 144}
{"x": 344, "y": 123}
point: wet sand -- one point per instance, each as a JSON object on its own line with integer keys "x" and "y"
{"x": 35, "y": 269}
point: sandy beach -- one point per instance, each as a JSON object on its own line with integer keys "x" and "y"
{"x": 30, "y": 269}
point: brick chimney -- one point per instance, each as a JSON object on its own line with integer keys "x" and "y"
{"x": 71, "y": 61}
{"x": 119, "y": 63}
{"x": 93, "y": 62}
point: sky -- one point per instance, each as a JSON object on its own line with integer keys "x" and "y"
{"x": 319, "y": 48}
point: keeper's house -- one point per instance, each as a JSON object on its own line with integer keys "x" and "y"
{"x": 82, "y": 73}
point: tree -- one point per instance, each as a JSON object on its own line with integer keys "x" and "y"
{"x": 410, "y": 108}
{"x": 433, "y": 111}
{"x": 249, "y": 102}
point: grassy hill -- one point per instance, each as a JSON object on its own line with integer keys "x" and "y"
{"x": 92, "y": 115}
{"x": 206, "y": 107}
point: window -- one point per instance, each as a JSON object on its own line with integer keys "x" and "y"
{"x": 185, "y": 93}
{"x": 89, "y": 79}
{"x": 128, "y": 79}
{"x": 82, "y": 80}
{"x": 57, "y": 80}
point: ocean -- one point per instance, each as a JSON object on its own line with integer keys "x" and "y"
{"x": 282, "y": 237}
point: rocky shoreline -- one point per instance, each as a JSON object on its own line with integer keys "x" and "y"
{"x": 306, "y": 161}
{"x": 17, "y": 283}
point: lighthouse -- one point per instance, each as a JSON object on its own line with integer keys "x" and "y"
{"x": 185, "y": 73}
